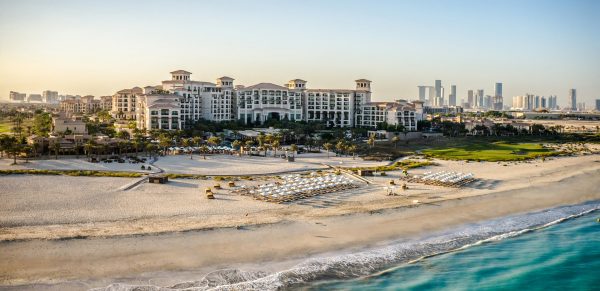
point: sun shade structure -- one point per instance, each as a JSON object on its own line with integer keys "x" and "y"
{"x": 295, "y": 187}
{"x": 444, "y": 178}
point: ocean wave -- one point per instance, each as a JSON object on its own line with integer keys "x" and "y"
{"x": 377, "y": 260}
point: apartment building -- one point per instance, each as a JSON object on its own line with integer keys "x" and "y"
{"x": 86, "y": 104}
{"x": 202, "y": 100}
{"x": 158, "y": 110}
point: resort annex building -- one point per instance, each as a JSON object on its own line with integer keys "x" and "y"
{"x": 180, "y": 102}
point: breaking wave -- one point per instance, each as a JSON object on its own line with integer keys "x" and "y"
{"x": 376, "y": 260}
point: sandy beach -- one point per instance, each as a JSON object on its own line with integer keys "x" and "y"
{"x": 131, "y": 235}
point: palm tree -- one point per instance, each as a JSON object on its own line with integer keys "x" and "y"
{"x": 353, "y": 148}
{"x": 186, "y": 143}
{"x": 261, "y": 141}
{"x": 197, "y": 140}
{"x": 395, "y": 140}
{"x": 121, "y": 145}
{"x": 340, "y": 146}
{"x": 89, "y": 147}
{"x": 12, "y": 147}
{"x": 249, "y": 144}
{"x": 204, "y": 150}
{"x": 150, "y": 149}
{"x": 214, "y": 141}
{"x": 164, "y": 142}
{"x": 371, "y": 141}
{"x": 293, "y": 148}
{"x": 56, "y": 147}
{"x": 236, "y": 144}
{"x": 26, "y": 150}
{"x": 328, "y": 147}
{"x": 275, "y": 145}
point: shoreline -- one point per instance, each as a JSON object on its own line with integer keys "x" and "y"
{"x": 38, "y": 261}
{"x": 268, "y": 213}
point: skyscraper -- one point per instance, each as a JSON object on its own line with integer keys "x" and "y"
{"x": 498, "y": 100}
{"x": 470, "y": 99}
{"x": 422, "y": 90}
{"x": 573, "y": 98}
{"x": 479, "y": 98}
{"x": 438, "y": 88}
{"x": 597, "y": 104}
{"x": 452, "y": 98}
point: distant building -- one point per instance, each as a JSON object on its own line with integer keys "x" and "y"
{"x": 470, "y": 99}
{"x": 17, "y": 97}
{"x": 479, "y": 99}
{"x": 34, "y": 98}
{"x": 85, "y": 105}
{"x": 50, "y": 96}
{"x": 64, "y": 124}
{"x": 597, "y": 104}
{"x": 498, "y": 99}
{"x": 573, "y": 98}
{"x": 452, "y": 97}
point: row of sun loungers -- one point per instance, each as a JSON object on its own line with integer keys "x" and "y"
{"x": 444, "y": 178}
{"x": 295, "y": 187}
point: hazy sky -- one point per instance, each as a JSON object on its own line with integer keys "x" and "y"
{"x": 98, "y": 47}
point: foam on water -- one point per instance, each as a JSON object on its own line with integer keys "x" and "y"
{"x": 377, "y": 260}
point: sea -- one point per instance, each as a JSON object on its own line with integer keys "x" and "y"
{"x": 553, "y": 249}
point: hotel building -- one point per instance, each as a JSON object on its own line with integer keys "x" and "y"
{"x": 179, "y": 102}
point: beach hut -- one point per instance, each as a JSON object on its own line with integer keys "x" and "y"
{"x": 158, "y": 179}
{"x": 364, "y": 173}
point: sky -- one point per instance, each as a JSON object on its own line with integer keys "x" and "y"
{"x": 99, "y": 47}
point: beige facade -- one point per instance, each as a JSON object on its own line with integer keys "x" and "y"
{"x": 64, "y": 124}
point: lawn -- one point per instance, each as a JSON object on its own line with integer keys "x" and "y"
{"x": 491, "y": 152}
{"x": 5, "y": 126}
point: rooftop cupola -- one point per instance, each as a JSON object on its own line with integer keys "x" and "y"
{"x": 180, "y": 75}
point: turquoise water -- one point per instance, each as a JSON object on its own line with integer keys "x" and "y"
{"x": 563, "y": 256}
{"x": 553, "y": 249}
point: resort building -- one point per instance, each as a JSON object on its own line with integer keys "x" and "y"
{"x": 202, "y": 100}
{"x": 261, "y": 102}
{"x": 153, "y": 107}
{"x": 85, "y": 105}
{"x": 123, "y": 103}
{"x": 158, "y": 110}
{"x": 68, "y": 125}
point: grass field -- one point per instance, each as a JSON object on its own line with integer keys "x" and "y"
{"x": 491, "y": 152}
{"x": 5, "y": 126}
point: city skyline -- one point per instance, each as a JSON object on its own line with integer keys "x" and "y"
{"x": 542, "y": 55}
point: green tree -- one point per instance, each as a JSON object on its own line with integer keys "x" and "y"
{"x": 249, "y": 144}
{"x": 353, "y": 149}
{"x": 340, "y": 146}
{"x": 214, "y": 141}
{"x": 42, "y": 124}
{"x": 328, "y": 147}
{"x": 395, "y": 140}
{"x": 371, "y": 141}
{"x": 275, "y": 145}
{"x": 56, "y": 147}
{"x": 187, "y": 143}
{"x": 164, "y": 141}
{"x": 89, "y": 148}
{"x": 294, "y": 149}
{"x": 237, "y": 145}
